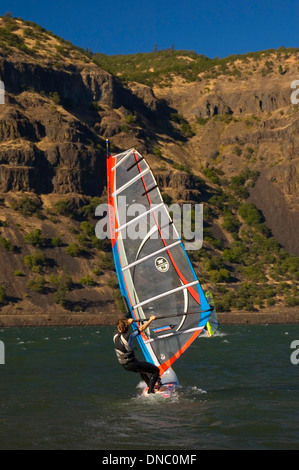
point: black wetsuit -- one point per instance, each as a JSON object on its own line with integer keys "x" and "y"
{"x": 126, "y": 357}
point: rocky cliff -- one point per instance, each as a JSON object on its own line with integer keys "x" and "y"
{"x": 248, "y": 120}
{"x": 227, "y": 137}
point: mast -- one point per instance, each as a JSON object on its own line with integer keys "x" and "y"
{"x": 107, "y": 148}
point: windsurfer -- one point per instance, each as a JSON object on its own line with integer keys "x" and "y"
{"x": 123, "y": 343}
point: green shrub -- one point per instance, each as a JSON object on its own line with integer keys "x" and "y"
{"x": 55, "y": 97}
{"x": 201, "y": 121}
{"x": 13, "y": 40}
{"x": 89, "y": 209}
{"x": 62, "y": 51}
{"x": 157, "y": 152}
{"x": 237, "y": 151}
{"x": 250, "y": 214}
{"x": 186, "y": 129}
{"x": 63, "y": 284}
{"x": 87, "y": 228}
{"x": 217, "y": 243}
{"x": 97, "y": 271}
{"x": 288, "y": 265}
{"x": 60, "y": 296}
{"x": 35, "y": 238}
{"x": 3, "y": 298}
{"x": 218, "y": 201}
{"x": 98, "y": 243}
{"x": 29, "y": 32}
{"x": 27, "y": 206}
{"x": 87, "y": 280}
{"x": 36, "y": 261}
{"x": 95, "y": 106}
{"x": 214, "y": 262}
{"x": 129, "y": 118}
{"x": 184, "y": 124}
{"x": 6, "y": 244}
{"x": 63, "y": 281}
{"x": 64, "y": 207}
{"x": 166, "y": 198}
{"x": 74, "y": 250}
{"x": 106, "y": 261}
{"x": 119, "y": 300}
{"x": 175, "y": 117}
{"x": 231, "y": 223}
{"x": 291, "y": 301}
{"x": 211, "y": 173}
{"x": 37, "y": 284}
{"x": 254, "y": 273}
{"x": 56, "y": 241}
{"x": 249, "y": 151}
{"x": 222, "y": 275}
{"x": 179, "y": 166}
{"x": 17, "y": 272}
{"x": 81, "y": 238}
{"x": 235, "y": 253}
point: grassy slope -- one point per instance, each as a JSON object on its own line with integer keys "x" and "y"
{"x": 162, "y": 66}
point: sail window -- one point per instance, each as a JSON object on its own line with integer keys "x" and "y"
{"x": 127, "y": 154}
{"x": 139, "y": 217}
{"x": 185, "y": 286}
{"x": 141, "y": 260}
{"x": 132, "y": 181}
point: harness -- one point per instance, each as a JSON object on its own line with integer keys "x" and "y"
{"x": 123, "y": 350}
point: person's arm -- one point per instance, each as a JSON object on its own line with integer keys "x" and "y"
{"x": 139, "y": 330}
{"x": 145, "y": 325}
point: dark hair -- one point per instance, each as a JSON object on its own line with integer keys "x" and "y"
{"x": 123, "y": 325}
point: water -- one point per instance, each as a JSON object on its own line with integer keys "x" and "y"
{"x": 61, "y": 388}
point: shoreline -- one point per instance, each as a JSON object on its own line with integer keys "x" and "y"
{"x": 258, "y": 318}
{"x": 289, "y": 316}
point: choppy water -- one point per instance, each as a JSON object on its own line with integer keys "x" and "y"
{"x": 61, "y": 388}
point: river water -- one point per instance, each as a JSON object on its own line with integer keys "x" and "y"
{"x": 62, "y": 388}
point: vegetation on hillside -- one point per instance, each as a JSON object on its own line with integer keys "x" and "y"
{"x": 246, "y": 268}
{"x": 33, "y": 39}
{"x": 46, "y": 270}
{"x": 159, "y": 68}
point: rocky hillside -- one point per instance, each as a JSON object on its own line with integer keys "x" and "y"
{"x": 222, "y": 132}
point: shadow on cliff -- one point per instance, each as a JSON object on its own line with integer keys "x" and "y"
{"x": 157, "y": 113}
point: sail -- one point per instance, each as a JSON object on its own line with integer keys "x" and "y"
{"x": 154, "y": 272}
{"x": 213, "y": 323}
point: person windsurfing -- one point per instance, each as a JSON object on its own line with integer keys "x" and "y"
{"x": 123, "y": 343}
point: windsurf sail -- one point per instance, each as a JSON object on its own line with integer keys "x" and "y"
{"x": 213, "y": 322}
{"x": 154, "y": 272}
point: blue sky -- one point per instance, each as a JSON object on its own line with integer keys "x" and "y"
{"x": 213, "y": 28}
